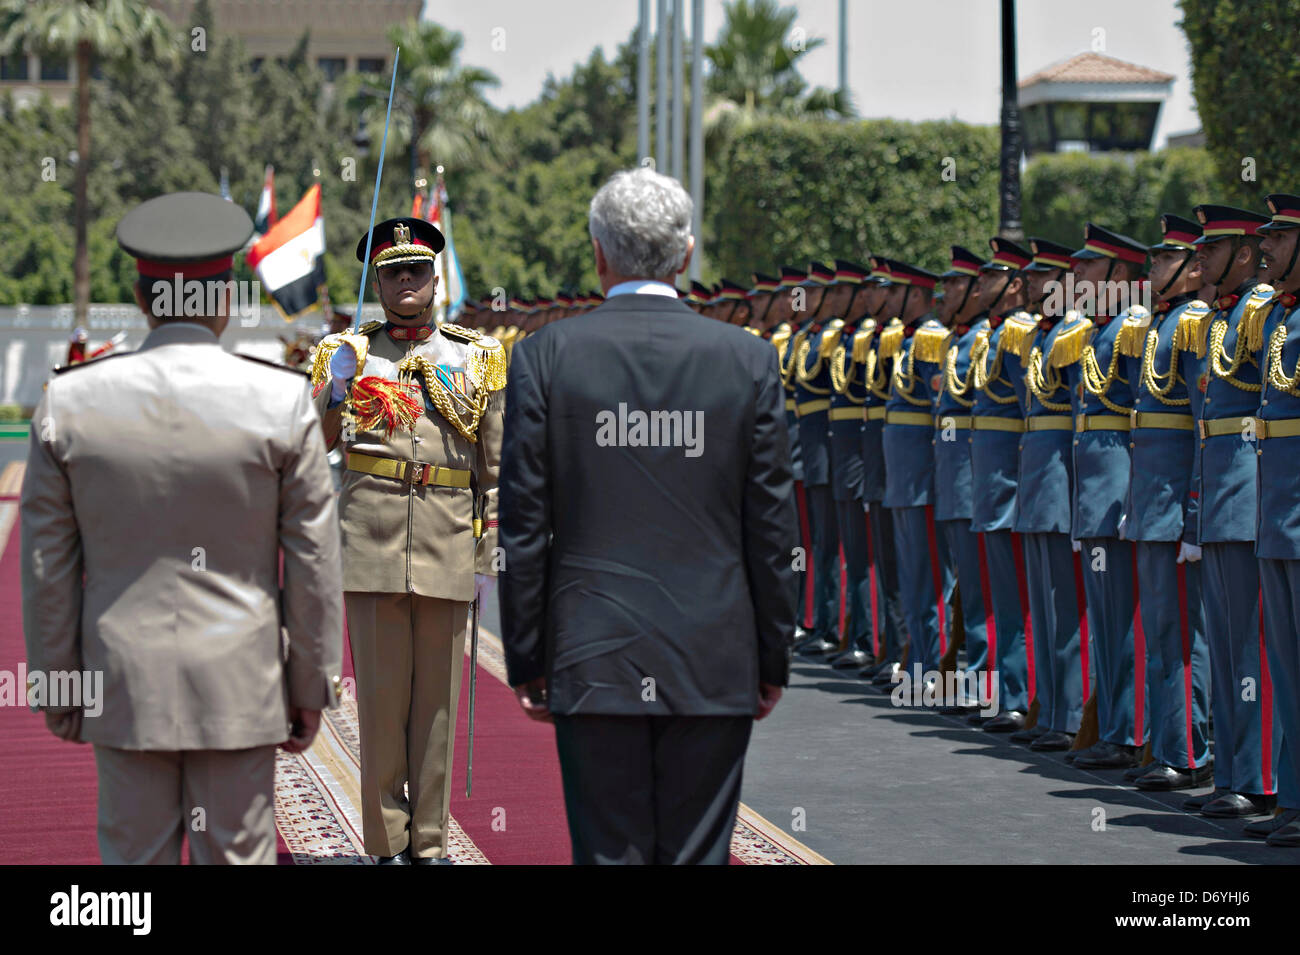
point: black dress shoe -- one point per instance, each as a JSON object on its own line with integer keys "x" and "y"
{"x": 402, "y": 858}
{"x": 979, "y": 719}
{"x": 1052, "y": 742}
{"x": 1284, "y": 837}
{"x": 850, "y": 660}
{"x": 955, "y": 708}
{"x": 885, "y": 675}
{"x": 1012, "y": 721}
{"x": 430, "y": 860}
{"x": 1137, "y": 772}
{"x": 1073, "y": 755}
{"x": 1263, "y": 828}
{"x": 1105, "y": 755}
{"x": 1028, "y": 735}
{"x": 1236, "y": 805}
{"x": 816, "y": 647}
{"x": 1194, "y": 803}
{"x": 1167, "y": 778}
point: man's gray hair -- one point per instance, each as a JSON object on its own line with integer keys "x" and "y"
{"x": 642, "y": 220}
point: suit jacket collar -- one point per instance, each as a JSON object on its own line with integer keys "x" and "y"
{"x": 645, "y": 303}
{"x": 178, "y": 333}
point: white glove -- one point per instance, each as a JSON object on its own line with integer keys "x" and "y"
{"x": 1188, "y": 552}
{"x": 484, "y": 584}
{"x": 1076, "y": 546}
{"x": 343, "y": 365}
{"x": 866, "y": 507}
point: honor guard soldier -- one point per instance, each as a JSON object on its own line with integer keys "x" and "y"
{"x": 1042, "y": 515}
{"x": 848, "y": 395}
{"x": 1277, "y": 540}
{"x": 1221, "y": 353}
{"x": 1157, "y": 519}
{"x": 923, "y": 568}
{"x": 162, "y": 487}
{"x": 812, "y": 390}
{"x": 961, "y": 314}
{"x": 420, "y": 408}
{"x": 734, "y": 307}
{"x": 996, "y": 426}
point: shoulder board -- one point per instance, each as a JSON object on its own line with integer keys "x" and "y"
{"x": 1253, "y": 315}
{"x": 862, "y": 340}
{"x": 1067, "y": 347}
{"x": 1018, "y": 333}
{"x": 1132, "y": 336}
{"x": 1192, "y": 325}
{"x": 891, "y": 338}
{"x": 460, "y": 332}
{"x": 272, "y": 364}
{"x": 830, "y": 337}
{"x": 370, "y": 328}
{"x": 64, "y": 369}
{"x": 930, "y": 342}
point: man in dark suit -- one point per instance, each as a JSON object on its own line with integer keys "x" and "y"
{"x": 648, "y": 523}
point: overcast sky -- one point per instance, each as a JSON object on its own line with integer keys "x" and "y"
{"x": 915, "y": 59}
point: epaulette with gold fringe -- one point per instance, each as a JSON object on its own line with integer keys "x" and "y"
{"x": 1018, "y": 334}
{"x": 1253, "y": 315}
{"x": 1193, "y": 323}
{"x": 320, "y": 359}
{"x": 930, "y": 342}
{"x": 862, "y": 340}
{"x": 369, "y": 328}
{"x": 1068, "y": 346}
{"x": 486, "y": 364}
{"x": 830, "y": 337}
{"x": 891, "y": 338}
{"x": 460, "y": 332}
{"x": 781, "y": 335}
{"x": 1132, "y": 336}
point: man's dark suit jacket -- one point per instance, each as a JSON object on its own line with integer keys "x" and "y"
{"x": 626, "y": 563}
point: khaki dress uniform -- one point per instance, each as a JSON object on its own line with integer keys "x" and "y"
{"x": 418, "y": 514}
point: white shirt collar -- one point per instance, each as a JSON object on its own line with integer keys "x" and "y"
{"x": 642, "y": 287}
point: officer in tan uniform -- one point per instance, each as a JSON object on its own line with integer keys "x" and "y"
{"x": 418, "y": 408}
{"x": 161, "y": 487}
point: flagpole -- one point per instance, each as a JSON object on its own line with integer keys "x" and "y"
{"x": 374, "y": 203}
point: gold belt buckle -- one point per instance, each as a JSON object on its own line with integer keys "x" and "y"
{"x": 1201, "y": 423}
{"x": 1133, "y": 419}
{"x": 415, "y": 472}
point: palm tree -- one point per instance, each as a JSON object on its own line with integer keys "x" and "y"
{"x": 439, "y": 109}
{"x": 86, "y": 30}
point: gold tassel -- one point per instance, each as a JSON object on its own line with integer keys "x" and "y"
{"x": 891, "y": 338}
{"x": 1132, "y": 337}
{"x": 320, "y": 359}
{"x": 1069, "y": 344}
{"x": 781, "y": 335}
{"x": 1253, "y": 315}
{"x": 930, "y": 343}
{"x": 1018, "y": 335}
{"x": 1193, "y": 323}
{"x": 862, "y": 341}
{"x": 830, "y": 338}
{"x": 485, "y": 365}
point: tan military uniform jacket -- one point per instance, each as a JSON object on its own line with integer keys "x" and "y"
{"x": 172, "y": 477}
{"x": 405, "y": 538}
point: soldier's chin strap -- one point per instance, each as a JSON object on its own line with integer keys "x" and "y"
{"x": 1290, "y": 264}
{"x": 970, "y": 284}
{"x": 1236, "y": 244}
{"x": 902, "y": 306}
{"x": 1174, "y": 278}
{"x": 992, "y": 309}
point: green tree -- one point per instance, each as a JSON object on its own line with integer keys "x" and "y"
{"x": 1243, "y": 59}
{"x": 86, "y": 30}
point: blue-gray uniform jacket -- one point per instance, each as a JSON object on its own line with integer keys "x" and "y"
{"x": 955, "y": 396}
{"x": 1224, "y": 477}
{"x": 1159, "y": 506}
{"x": 1278, "y": 512}
{"x": 1102, "y": 404}
{"x": 786, "y": 340}
{"x": 848, "y": 394}
{"x": 875, "y": 373}
{"x": 909, "y": 419}
{"x": 1046, "y": 451}
{"x": 995, "y": 446}
{"x": 812, "y": 391}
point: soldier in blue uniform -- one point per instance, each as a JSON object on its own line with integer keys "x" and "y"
{"x": 1277, "y": 519}
{"x": 812, "y": 388}
{"x": 1042, "y": 515}
{"x": 909, "y": 467}
{"x": 1221, "y": 348}
{"x": 848, "y": 396}
{"x": 964, "y": 320}
{"x": 996, "y": 426}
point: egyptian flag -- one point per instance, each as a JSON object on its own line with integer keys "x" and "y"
{"x": 266, "y": 217}
{"x": 290, "y": 259}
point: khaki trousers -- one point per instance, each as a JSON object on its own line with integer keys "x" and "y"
{"x": 407, "y": 652}
{"x": 149, "y": 799}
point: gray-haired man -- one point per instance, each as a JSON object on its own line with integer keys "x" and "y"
{"x": 647, "y": 516}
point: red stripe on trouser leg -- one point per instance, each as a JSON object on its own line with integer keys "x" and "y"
{"x": 990, "y": 623}
{"x": 1081, "y": 602}
{"x": 805, "y": 538}
{"x": 937, "y": 575}
{"x": 871, "y": 576}
{"x": 1187, "y": 662}
{"x": 1266, "y": 701}
{"x": 844, "y": 586}
{"x": 1139, "y": 660}
{"x": 1022, "y": 587}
